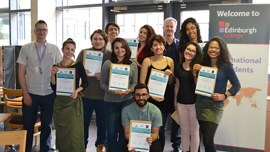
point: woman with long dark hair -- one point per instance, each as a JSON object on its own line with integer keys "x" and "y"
{"x": 189, "y": 32}
{"x": 184, "y": 98}
{"x": 116, "y": 100}
{"x": 209, "y": 110}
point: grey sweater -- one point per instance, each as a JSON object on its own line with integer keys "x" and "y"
{"x": 110, "y": 95}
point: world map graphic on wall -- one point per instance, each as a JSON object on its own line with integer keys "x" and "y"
{"x": 247, "y": 93}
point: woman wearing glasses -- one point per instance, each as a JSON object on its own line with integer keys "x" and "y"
{"x": 209, "y": 110}
{"x": 184, "y": 98}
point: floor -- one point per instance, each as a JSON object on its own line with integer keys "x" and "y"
{"x": 91, "y": 145}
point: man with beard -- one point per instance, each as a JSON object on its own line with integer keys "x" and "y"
{"x": 143, "y": 111}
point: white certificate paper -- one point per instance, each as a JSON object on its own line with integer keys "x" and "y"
{"x": 157, "y": 83}
{"x": 134, "y": 48}
{"x": 119, "y": 77}
{"x": 202, "y": 46}
{"x": 65, "y": 78}
{"x": 139, "y": 131}
{"x": 206, "y": 81}
{"x": 93, "y": 61}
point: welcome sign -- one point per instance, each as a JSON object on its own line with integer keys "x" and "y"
{"x": 245, "y": 28}
{"x": 240, "y": 23}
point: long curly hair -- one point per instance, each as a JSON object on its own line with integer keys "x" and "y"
{"x": 184, "y": 39}
{"x": 198, "y": 57}
{"x": 150, "y": 31}
{"x": 127, "y": 48}
{"x": 223, "y": 58}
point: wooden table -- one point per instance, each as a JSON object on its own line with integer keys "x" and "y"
{"x": 4, "y": 116}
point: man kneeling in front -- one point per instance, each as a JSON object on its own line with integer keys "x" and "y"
{"x": 143, "y": 111}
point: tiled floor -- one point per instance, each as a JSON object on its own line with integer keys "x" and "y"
{"x": 91, "y": 145}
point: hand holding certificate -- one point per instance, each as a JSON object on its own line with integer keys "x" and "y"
{"x": 139, "y": 132}
{"x": 119, "y": 77}
{"x": 65, "y": 78}
{"x": 157, "y": 83}
{"x": 206, "y": 81}
{"x": 92, "y": 61}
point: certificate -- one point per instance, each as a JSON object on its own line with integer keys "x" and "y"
{"x": 119, "y": 77}
{"x": 206, "y": 81}
{"x": 133, "y": 44}
{"x": 139, "y": 131}
{"x": 202, "y": 46}
{"x": 157, "y": 83}
{"x": 65, "y": 78}
{"x": 175, "y": 117}
{"x": 92, "y": 61}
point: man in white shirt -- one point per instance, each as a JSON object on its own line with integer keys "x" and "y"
{"x": 35, "y": 62}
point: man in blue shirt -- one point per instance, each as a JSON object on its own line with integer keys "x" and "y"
{"x": 143, "y": 111}
{"x": 172, "y": 43}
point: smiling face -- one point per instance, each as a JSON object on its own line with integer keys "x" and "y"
{"x": 157, "y": 48}
{"x": 68, "y": 51}
{"x": 190, "y": 52}
{"x": 41, "y": 31}
{"x": 169, "y": 28}
{"x": 142, "y": 35}
{"x": 98, "y": 42}
{"x": 191, "y": 32}
{"x": 113, "y": 32}
{"x": 141, "y": 96}
{"x": 213, "y": 50}
{"x": 119, "y": 50}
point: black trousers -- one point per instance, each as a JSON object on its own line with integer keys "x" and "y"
{"x": 208, "y": 130}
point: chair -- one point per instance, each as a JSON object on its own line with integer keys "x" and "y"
{"x": 14, "y": 137}
{"x": 16, "y": 119}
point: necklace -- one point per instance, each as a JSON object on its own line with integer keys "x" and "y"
{"x": 186, "y": 66}
{"x": 66, "y": 65}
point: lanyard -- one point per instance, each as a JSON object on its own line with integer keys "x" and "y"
{"x": 42, "y": 56}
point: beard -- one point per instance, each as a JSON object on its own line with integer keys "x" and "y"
{"x": 140, "y": 104}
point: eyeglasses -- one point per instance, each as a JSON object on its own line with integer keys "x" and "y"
{"x": 191, "y": 28}
{"x": 41, "y": 30}
{"x": 191, "y": 51}
{"x": 140, "y": 95}
{"x": 214, "y": 47}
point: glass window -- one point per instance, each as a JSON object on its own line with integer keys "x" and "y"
{"x": 79, "y": 2}
{"x": 20, "y": 4}
{"x": 261, "y": 2}
{"x": 24, "y": 28}
{"x": 79, "y": 27}
{"x": 131, "y": 23}
{"x": 4, "y": 4}
{"x": 202, "y": 17}
{"x": 4, "y": 29}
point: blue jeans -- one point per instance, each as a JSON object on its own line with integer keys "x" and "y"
{"x": 45, "y": 103}
{"x": 115, "y": 128}
{"x": 89, "y": 105}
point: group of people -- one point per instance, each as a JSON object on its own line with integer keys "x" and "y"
{"x": 180, "y": 59}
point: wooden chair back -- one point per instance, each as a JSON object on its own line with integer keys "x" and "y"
{"x": 13, "y": 103}
{"x": 14, "y": 137}
{"x": 13, "y": 99}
